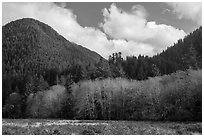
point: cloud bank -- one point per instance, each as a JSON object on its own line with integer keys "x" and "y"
{"x": 134, "y": 27}
{"x": 130, "y": 32}
{"x": 188, "y": 10}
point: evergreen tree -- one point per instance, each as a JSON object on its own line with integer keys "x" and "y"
{"x": 102, "y": 69}
{"x": 155, "y": 71}
{"x": 30, "y": 87}
{"x": 42, "y": 84}
{"x": 62, "y": 80}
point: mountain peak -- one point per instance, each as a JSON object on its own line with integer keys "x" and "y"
{"x": 36, "y": 43}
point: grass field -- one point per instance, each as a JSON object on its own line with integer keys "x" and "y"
{"x": 96, "y": 127}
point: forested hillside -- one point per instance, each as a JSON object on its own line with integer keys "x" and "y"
{"x": 30, "y": 46}
{"x": 33, "y": 51}
{"x": 44, "y": 75}
{"x": 185, "y": 54}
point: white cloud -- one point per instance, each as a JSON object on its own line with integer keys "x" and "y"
{"x": 139, "y": 10}
{"x": 134, "y": 27}
{"x": 131, "y": 33}
{"x": 119, "y": 24}
{"x": 188, "y": 10}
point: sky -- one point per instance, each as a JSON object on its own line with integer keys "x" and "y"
{"x": 132, "y": 28}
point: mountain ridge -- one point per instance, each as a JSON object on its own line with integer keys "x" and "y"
{"x": 42, "y": 45}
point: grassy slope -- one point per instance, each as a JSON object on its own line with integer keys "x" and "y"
{"x": 42, "y": 126}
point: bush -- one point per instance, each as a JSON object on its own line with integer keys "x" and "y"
{"x": 12, "y": 108}
{"x": 48, "y": 103}
{"x": 171, "y": 97}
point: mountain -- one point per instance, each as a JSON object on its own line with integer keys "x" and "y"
{"x": 183, "y": 55}
{"x": 29, "y": 45}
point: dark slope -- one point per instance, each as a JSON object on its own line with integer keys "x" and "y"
{"x": 186, "y": 53}
{"x": 28, "y": 44}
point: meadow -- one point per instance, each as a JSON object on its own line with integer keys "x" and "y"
{"x": 97, "y": 127}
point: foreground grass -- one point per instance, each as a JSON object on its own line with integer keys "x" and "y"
{"x": 96, "y": 127}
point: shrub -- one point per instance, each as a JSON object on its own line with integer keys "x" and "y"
{"x": 12, "y": 108}
{"x": 48, "y": 103}
{"x": 171, "y": 97}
